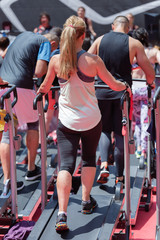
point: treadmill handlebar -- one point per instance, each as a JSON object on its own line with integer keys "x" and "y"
{"x": 39, "y": 98}
{"x": 6, "y": 95}
{"x": 97, "y": 86}
{"x": 149, "y": 90}
{"x": 46, "y": 103}
{"x": 125, "y": 97}
{"x": 55, "y": 88}
{"x": 156, "y": 97}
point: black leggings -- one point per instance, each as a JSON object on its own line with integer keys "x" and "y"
{"x": 112, "y": 121}
{"x": 68, "y": 142}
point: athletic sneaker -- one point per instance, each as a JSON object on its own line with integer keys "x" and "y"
{"x": 20, "y": 186}
{"x": 87, "y": 207}
{"x": 61, "y": 223}
{"x": 33, "y": 175}
{"x": 103, "y": 175}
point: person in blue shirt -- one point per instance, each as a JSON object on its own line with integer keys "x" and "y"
{"x": 26, "y": 57}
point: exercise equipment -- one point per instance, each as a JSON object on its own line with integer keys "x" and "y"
{"x": 113, "y": 207}
{"x": 99, "y": 225}
{"x": 126, "y": 212}
{"x": 31, "y": 197}
{"x": 156, "y": 106}
{"x": 9, "y": 195}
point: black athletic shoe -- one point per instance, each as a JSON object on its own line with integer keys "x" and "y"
{"x": 87, "y": 208}
{"x": 103, "y": 175}
{"x": 61, "y": 223}
{"x": 20, "y": 186}
{"x": 33, "y": 175}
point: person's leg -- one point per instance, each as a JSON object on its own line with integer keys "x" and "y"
{"x": 119, "y": 141}
{"x": 64, "y": 184}
{"x": 119, "y": 156}
{"x": 90, "y": 141}
{"x": 104, "y": 147}
{"x": 144, "y": 127}
{"x": 32, "y": 138}
{"x": 87, "y": 178}
{"x": 136, "y": 112}
{"x": 5, "y": 155}
{"x": 137, "y": 135}
{"x": 105, "y": 139}
{"x": 105, "y": 144}
{"x": 68, "y": 142}
{"x": 5, "y": 160}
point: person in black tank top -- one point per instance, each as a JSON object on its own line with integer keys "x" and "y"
{"x": 117, "y": 50}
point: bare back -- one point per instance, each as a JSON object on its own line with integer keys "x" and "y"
{"x": 153, "y": 55}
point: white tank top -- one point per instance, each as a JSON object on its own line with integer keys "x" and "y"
{"x": 78, "y": 106}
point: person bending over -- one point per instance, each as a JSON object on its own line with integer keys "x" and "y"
{"x": 29, "y": 54}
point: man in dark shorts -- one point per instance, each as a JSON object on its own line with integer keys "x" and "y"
{"x": 117, "y": 49}
{"x": 28, "y": 55}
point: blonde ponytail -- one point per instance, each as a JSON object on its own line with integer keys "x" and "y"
{"x": 74, "y": 27}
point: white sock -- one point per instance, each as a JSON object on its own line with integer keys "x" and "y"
{"x": 86, "y": 201}
{"x": 61, "y": 212}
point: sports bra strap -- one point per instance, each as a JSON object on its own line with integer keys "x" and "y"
{"x": 80, "y": 53}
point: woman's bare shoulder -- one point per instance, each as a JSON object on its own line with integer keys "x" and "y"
{"x": 91, "y": 57}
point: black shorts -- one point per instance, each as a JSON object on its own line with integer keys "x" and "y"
{"x": 111, "y": 115}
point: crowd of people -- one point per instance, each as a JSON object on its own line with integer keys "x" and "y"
{"x": 72, "y": 57}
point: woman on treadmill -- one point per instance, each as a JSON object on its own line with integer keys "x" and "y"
{"x": 79, "y": 115}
